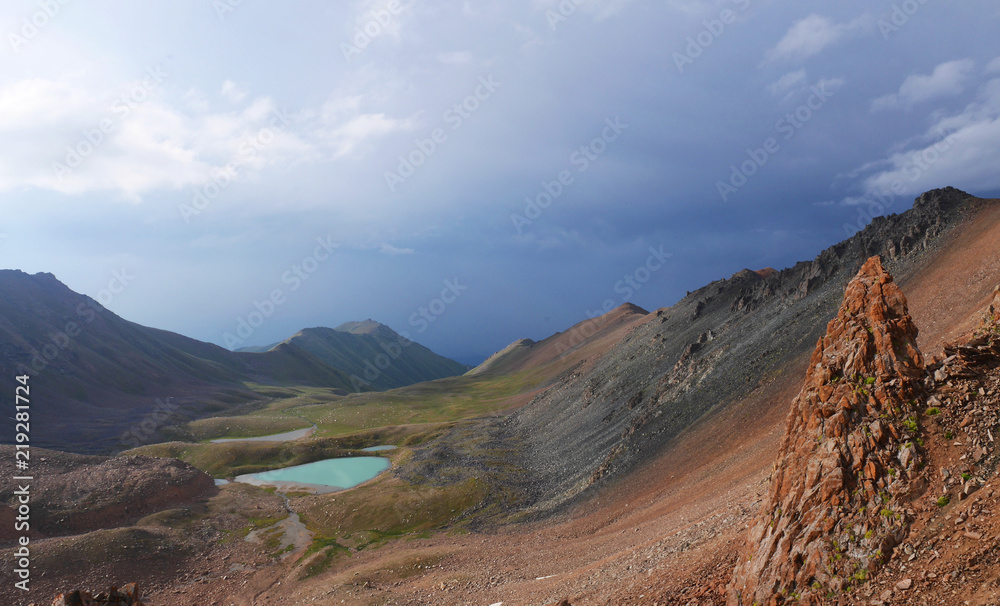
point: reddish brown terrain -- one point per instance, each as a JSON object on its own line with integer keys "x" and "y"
{"x": 885, "y": 491}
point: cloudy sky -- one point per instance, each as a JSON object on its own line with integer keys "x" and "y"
{"x": 468, "y": 172}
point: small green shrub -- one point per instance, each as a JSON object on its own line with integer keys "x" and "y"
{"x": 943, "y": 501}
{"x": 933, "y": 411}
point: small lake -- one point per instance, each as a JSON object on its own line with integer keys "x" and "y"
{"x": 379, "y": 448}
{"x": 320, "y": 477}
{"x": 288, "y": 436}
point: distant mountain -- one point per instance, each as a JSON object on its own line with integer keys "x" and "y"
{"x": 96, "y": 377}
{"x": 373, "y": 355}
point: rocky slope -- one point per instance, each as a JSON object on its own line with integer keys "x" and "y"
{"x": 76, "y": 494}
{"x": 884, "y": 489}
{"x": 721, "y": 345}
{"x": 837, "y": 503}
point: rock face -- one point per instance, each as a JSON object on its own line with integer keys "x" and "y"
{"x": 837, "y": 501}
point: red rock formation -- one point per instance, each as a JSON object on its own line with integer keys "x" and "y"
{"x": 129, "y": 595}
{"x": 837, "y": 501}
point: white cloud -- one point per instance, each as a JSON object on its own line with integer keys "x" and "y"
{"x": 233, "y": 92}
{"x": 597, "y": 9}
{"x": 389, "y": 249}
{"x": 993, "y": 67}
{"x": 812, "y": 35}
{"x": 787, "y": 83}
{"x": 958, "y": 150}
{"x": 38, "y": 103}
{"x": 386, "y": 23}
{"x": 345, "y": 138}
{"x": 75, "y": 141}
{"x": 456, "y": 58}
{"x": 948, "y": 80}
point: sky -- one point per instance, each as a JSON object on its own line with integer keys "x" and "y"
{"x": 468, "y": 173}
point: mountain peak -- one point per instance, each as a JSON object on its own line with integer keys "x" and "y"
{"x": 847, "y": 457}
{"x": 367, "y": 327}
{"x": 629, "y": 308}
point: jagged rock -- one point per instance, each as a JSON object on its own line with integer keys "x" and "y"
{"x": 129, "y": 595}
{"x": 835, "y": 509}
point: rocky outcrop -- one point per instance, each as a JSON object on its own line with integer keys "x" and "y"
{"x": 129, "y": 595}
{"x": 837, "y": 505}
{"x": 81, "y": 493}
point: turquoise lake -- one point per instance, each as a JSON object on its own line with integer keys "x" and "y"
{"x": 322, "y": 476}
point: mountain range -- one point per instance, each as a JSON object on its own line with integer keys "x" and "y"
{"x": 820, "y": 434}
{"x": 105, "y": 377}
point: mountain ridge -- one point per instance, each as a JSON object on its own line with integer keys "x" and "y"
{"x": 374, "y": 356}
{"x": 706, "y": 352}
{"x": 104, "y": 374}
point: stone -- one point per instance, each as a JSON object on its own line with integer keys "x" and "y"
{"x": 129, "y": 595}
{"x": 869, "y": 364}
{"x": 904, "y": 585}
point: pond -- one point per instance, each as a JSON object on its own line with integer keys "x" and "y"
{"x": 379, "y": 448}
{"x": 320, "y": 477}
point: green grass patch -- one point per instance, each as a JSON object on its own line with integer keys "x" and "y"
{"x": 386, "y": 509}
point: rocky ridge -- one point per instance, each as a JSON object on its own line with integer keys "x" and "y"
{"x": 837, "y": 502}
{"x": 715, "y": 348}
